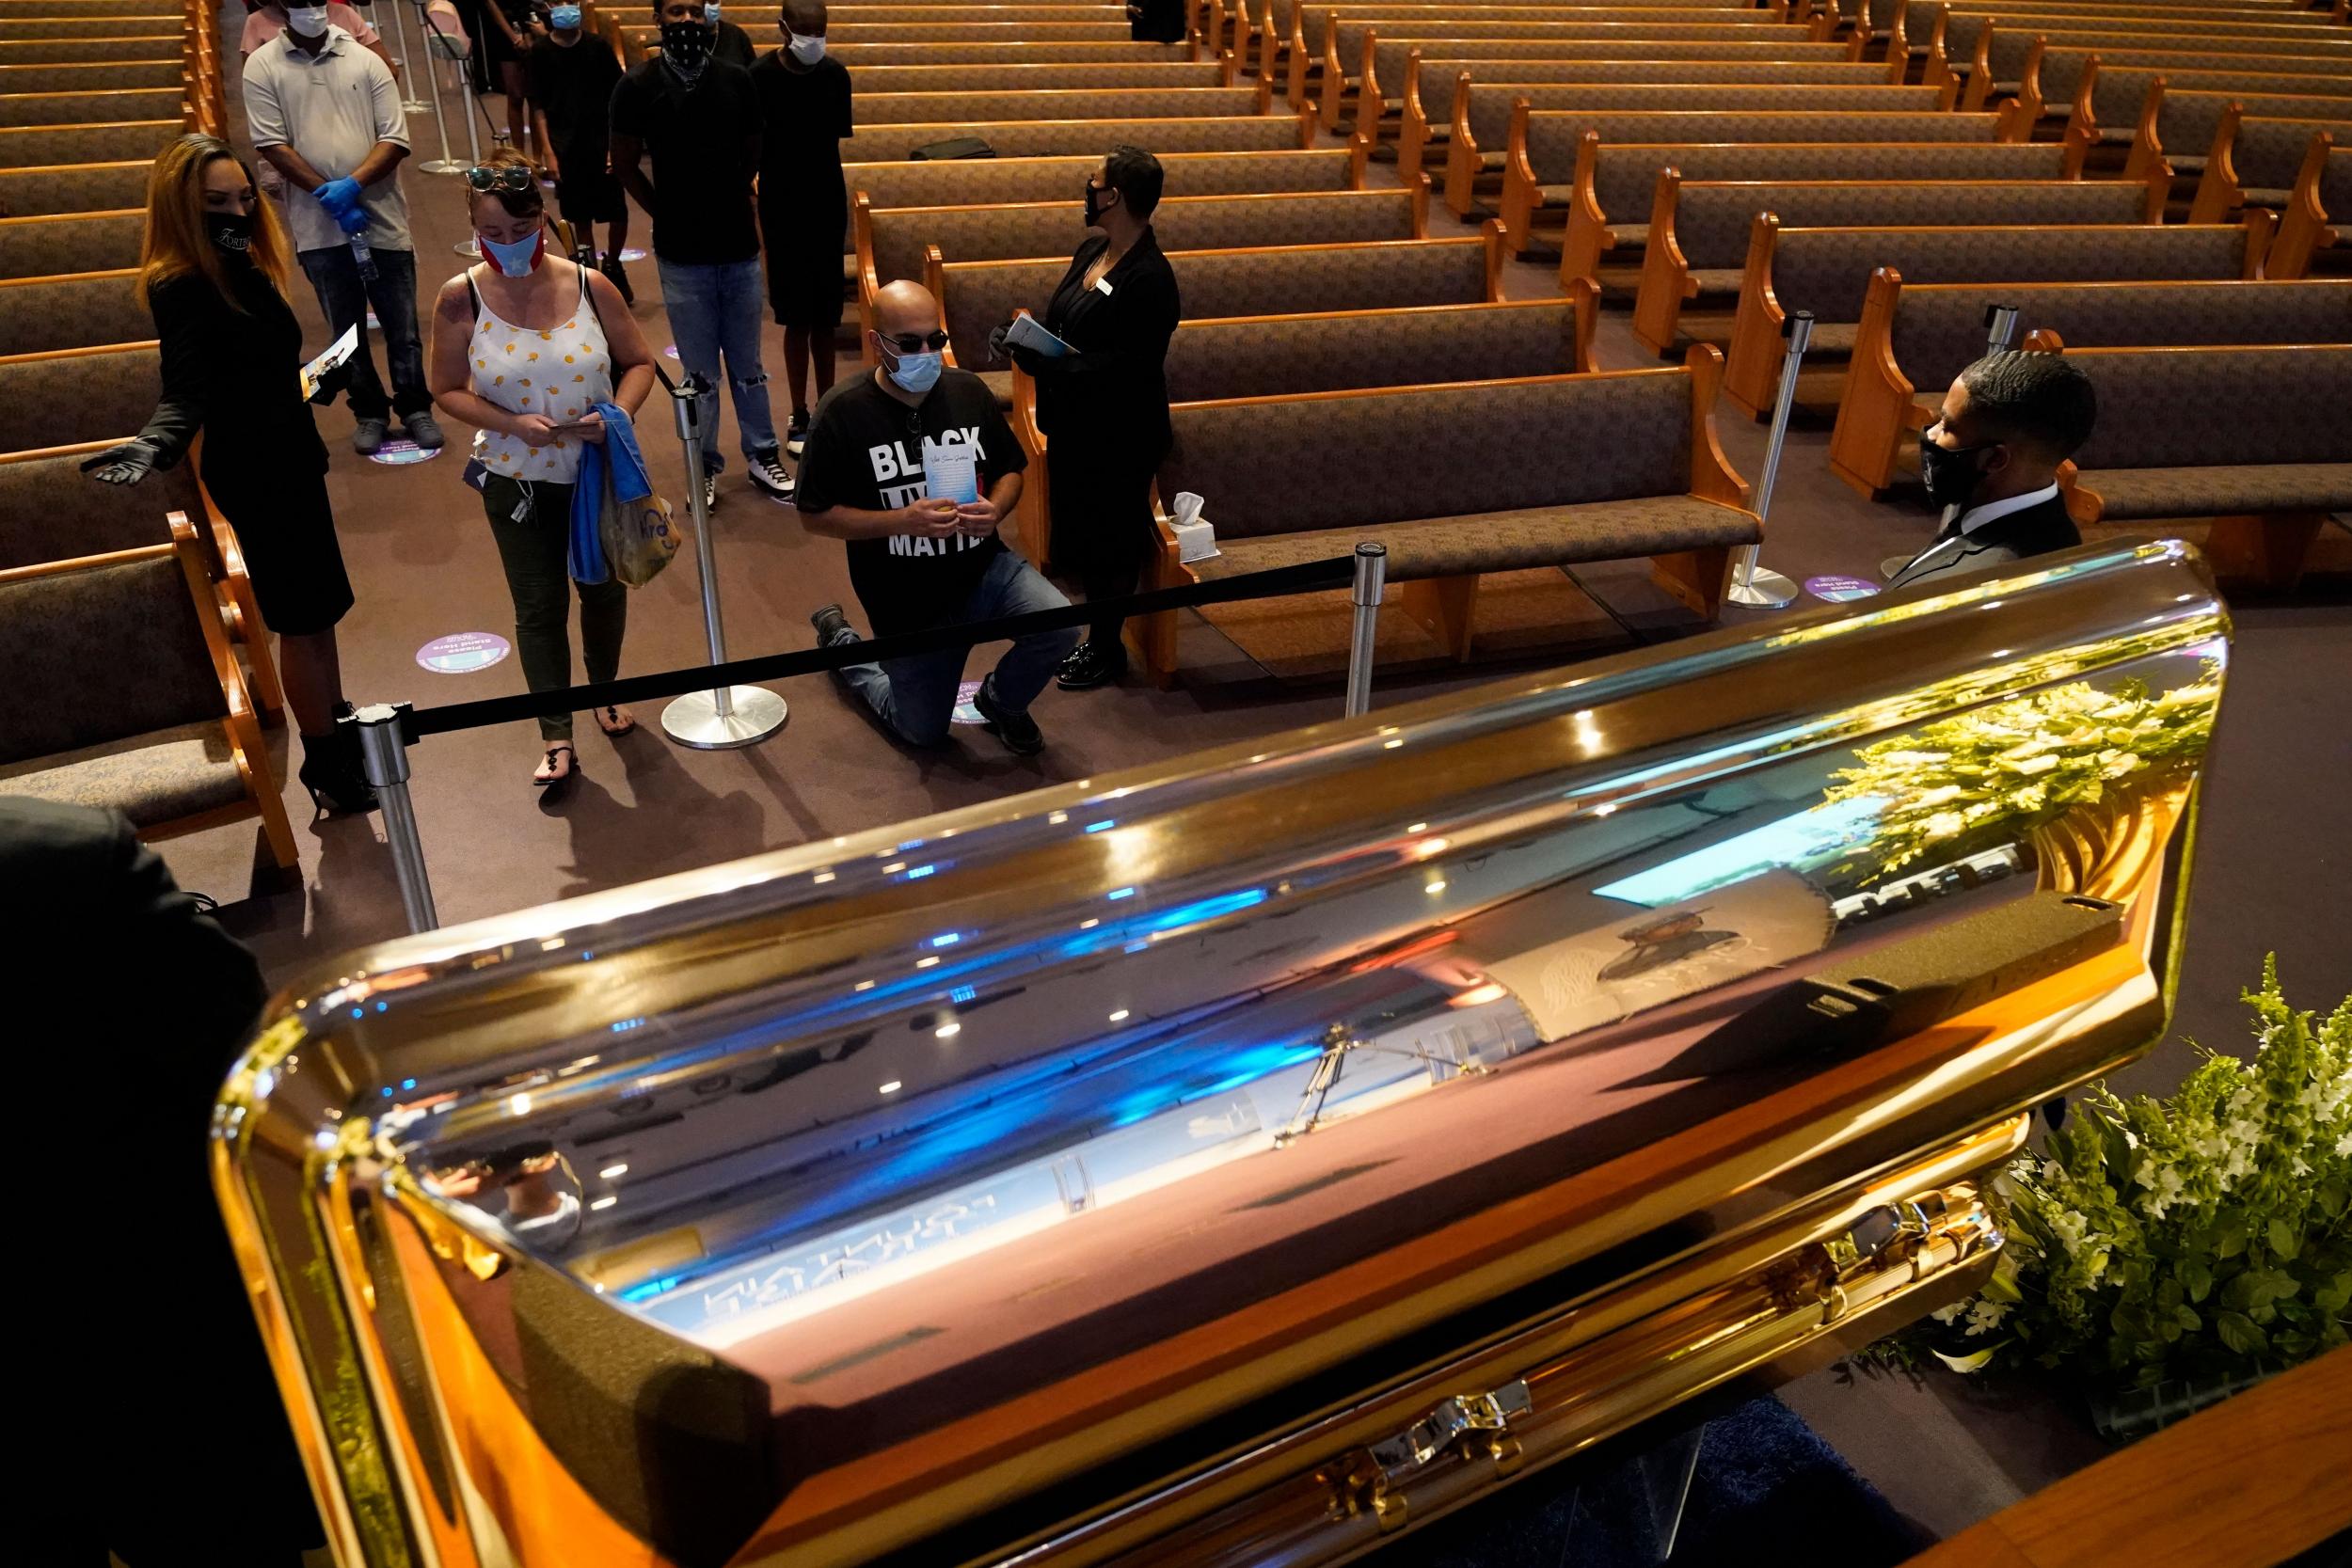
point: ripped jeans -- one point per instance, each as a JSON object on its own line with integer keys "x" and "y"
{"x": 715, "y": 310}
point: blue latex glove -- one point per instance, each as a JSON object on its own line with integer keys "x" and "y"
{"x": 351, "y": 221}
{"x": 339, "y": 195}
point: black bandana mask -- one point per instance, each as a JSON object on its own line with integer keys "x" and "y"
{"x": 686, "y": 45}
{"x": 231, "y": 233}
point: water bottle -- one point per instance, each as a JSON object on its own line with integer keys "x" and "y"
{"x": 364, "y": 257}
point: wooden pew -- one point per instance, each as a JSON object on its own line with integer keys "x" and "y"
{"x": 26, "y": 29}
{"x": 46, "y": 190}
{"x": 2150, "y": 110}
{"x": 1699, "y": 231}
{"x": 1552, "y": 138}
{"x": 177, "y": 750}
{"x": 2263, "y": 458}
{"x": 1954, "y": 31}
{"x": 1307, "y": 477}
{"x": 940, "y": 108}
{"x": 99, "y": 76}
{"x": 893, "y": 248}
{"x": 1032, "y": 138}
{"x": 164, "y": 46}
{"x": 79, "y": 108}
{"x": 863, "y": 57}
{"x": 1392, "y": 66}
{"x": 1295, "y": 353}
{"x": 2254, "y": 163}
{"x": 1914, "y": 339}
{"x": 2192, "y": 121}
{"x": 101, "y": 142}
{"x": 74, "y": 241}
{"x": 1827, "y": 271}
{"x": 877, "y": 81}
{"x": 976, "y": 297}
{"x": 2319, "y": 210}
{"x": 973, "y": 32}
{"x": 73, "y": 310}
{"x": 1478, "y": 150}
{"x": 1011, "y": 231}
{"x": 2047, "y": 71}
{"x": 1323, "y": 58}
{"x": 1611, "y": 185}
{"x": 1296, "y": 60}
{"x": 77, "y": 394}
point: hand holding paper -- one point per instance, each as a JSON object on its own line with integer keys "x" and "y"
{"x": 1026, "y": 332}
{"x": 338, "y": 352}
{"x": 950, "y": 474}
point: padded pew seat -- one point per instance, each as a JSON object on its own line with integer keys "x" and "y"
{"x": 2132, "y": 492}
{"x": 999, "y": 384}
{"x": 1502, "y": 541}
{"x": 151, "y": 779}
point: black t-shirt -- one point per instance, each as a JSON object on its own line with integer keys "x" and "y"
{"x": 573, "y": 83}
{"x": 733, "y": 45}
{"x": 804, "y": 118}
{"x": 866, "y": 450}
{"x": 697, "y": 139}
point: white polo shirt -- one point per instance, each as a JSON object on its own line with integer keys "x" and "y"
{"x": 333, "y": 108}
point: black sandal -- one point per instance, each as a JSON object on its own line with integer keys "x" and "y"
{"x": 571, "y": 766}
{"x": 617, "y": 728}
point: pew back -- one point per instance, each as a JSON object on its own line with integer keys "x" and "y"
{"x": 875, "y": 81}
{"x": 38, "y": 314}
{"x": 1031, "y": 138}
{"x": 2285, "y": 407}
{"x": 58, "y": 188}
{"x": 1490, "y": 103}
{"x": 102, "y": 142}
{"x": 1711, "y": 221}
{"x": 79, "y": 242}
{"x": 93, "y": 76}
{"x": 1623, "y": 176}
{"x": 77, "y": 108}
{"x": 156, "y": 46}
{"x": 54, "y": 400}
{"x": 1827, "y": 271}
{"x": 50, "y": 510}
{"x": 1277, "y": 355}
{"x": 941, "y": 108}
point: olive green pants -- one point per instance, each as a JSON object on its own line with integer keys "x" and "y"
{"x": 534, "y": 548}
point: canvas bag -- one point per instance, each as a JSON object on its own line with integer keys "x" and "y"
{"x": 639, "y": 532}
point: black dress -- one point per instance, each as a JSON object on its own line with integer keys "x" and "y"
{"x": 1157, "y": 21}
{"x": 232, "y": 373}
{"x": 1104, "y": 409}
{"x": 804, "y": 201}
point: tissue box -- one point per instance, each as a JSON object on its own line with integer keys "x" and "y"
{"x": 1194, "y": 541}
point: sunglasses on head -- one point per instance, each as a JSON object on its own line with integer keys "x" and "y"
{"x": 506, "y": 177}
{"x": 910, "y": 343}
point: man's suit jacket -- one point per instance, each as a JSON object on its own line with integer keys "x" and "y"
{"x": 2035, "y": 530}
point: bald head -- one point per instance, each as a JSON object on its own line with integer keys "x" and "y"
{"x": 905, "y": 308}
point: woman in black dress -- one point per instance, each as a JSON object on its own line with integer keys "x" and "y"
{"x": 214, "y": 270}
{"x": 1103, "y": 406}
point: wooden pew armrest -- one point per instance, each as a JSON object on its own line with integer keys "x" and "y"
{"x": 1873, "y": 409}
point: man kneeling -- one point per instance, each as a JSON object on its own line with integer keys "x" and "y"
{"x": 918, "y": 559}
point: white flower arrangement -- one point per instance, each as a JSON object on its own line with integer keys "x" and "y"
{"x": 2209, "y": 1233}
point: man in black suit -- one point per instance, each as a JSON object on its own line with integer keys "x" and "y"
{"x": 1991, "y": 460}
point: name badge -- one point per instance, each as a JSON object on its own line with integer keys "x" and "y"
{"x": 1102, "y": 285}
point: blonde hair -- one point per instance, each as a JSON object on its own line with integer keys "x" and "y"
{"x": 175, "y": 243}
{"x": 531, "y": 201}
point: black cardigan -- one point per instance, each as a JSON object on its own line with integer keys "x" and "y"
{"x": 1116, "y": 383}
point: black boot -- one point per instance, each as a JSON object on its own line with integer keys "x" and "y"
{"x": 332, "y": 773}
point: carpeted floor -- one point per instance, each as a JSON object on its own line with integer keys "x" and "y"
{"x": 2274, "y": 847}
{"x": 1764, "y": 1484}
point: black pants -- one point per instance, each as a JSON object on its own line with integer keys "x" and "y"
{"x": 1103, "y": 529}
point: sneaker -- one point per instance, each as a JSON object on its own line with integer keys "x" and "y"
{"x": 831, "y": 626}
{"x": 766, "y": 472}
{"x": 1091, "y": 664}
{"x": 1018, "y": 731}
{"x": 710, "y": 491}
{"x": 618, "y": 276}
{"x": 367, "y": 439}
{"x": 795, "y": 437}
{"x": 423, "y": 431}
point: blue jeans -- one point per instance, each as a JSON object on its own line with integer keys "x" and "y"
{"x": 345, "y": 297}
{"x": 715, "y": 310}
{"x": 915, "y": 697}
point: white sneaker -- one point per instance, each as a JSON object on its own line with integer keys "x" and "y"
{"x": 767, "y": 475}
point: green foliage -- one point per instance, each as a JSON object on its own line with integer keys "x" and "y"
{"x": 2199, "y": 1234}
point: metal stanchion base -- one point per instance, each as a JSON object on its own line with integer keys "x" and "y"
{"x": 1893, "y": 563}
{"x": 468, "y": 248}
{"x": 445, "y": 165}
{"x": 695, "y": 720}
{"x": 1763, "y": 591}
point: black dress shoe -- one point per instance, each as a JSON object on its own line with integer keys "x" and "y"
{"x": 1091, "y": 664}
{"x": 1018, "y": 731}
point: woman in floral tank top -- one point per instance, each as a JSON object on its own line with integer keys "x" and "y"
{"x": 525, "y": 345}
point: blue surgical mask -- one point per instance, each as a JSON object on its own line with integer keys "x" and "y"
{"x": 917, "y": 373}
{"x": 711, "y": 13}
{"x": 807, "y": 51}
{"x": 308, "y": 21}
{"x": 514, "y": 258}
{"x": 564, "y": 19}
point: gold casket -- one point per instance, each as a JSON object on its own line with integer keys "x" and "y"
{"x": 1243, "y": 1160}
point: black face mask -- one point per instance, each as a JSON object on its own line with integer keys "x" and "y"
{"x": 686, "y": 45}
{"x": 231, "y": 233}
{"x": 1950, "y": 474}
{"x": 1098, "y": 202}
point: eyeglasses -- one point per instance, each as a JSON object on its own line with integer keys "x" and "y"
{"x": 910, "y": 343}
{"x": 506, "y": 177}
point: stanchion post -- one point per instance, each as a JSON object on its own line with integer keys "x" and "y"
{"x": 2000, "y": 327}
{"x": 410, "y": 102}
{"x": 384, "y": 755}
{"x": 728, "y": 715}
{"x": 444, "y": 164}
{"x": 1751, "y": 585}
{"x": 1372, "y": 573}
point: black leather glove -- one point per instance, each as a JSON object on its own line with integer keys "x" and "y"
{"x": 996, "y": 349}
{"x": 127, "y": 463}
{"x": 332, "y": 384}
